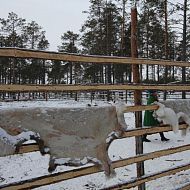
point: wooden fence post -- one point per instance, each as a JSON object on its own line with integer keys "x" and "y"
{"x": 137, "y": 93}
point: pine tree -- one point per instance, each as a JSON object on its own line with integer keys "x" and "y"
{"x": 100, "y": 37}
{"x": 35, "y": 38}
{"x": 11, "y": 29}
{"x": 69, "y": 41}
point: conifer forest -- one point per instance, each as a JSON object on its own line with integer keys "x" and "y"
{"x": 163, "y": 33}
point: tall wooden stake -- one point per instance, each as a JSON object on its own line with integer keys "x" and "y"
{"x": 184, "y": 45}
{"x": 137, "y": 93}
{"x": 166, "y": 44}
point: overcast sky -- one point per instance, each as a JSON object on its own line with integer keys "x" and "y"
{"x": 54, "y": 16}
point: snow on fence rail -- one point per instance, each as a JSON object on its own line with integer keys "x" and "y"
{"x": 53, "y": 178}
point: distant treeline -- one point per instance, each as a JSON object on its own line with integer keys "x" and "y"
{"x": 162, "y": 34}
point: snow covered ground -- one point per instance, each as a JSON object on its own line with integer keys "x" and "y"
{"x": 30, "y": 165}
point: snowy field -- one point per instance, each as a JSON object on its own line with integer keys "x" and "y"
{"x": 25, "y": 166}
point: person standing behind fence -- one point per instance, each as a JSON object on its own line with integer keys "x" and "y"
{"x": 149, "y": 120}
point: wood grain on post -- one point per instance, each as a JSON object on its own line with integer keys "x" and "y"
{"x": 137, "y": 93}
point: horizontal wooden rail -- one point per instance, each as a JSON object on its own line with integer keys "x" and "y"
{"x": 150, "y": 130}
{"x": 140, "y": 108}
{"x": 25, "y": 53}
{"x": 57, "y": 177}
{"x": 149, "y": 156}
{"x": 146, "y": 178}
{"x": 185, "y": 187}
{"x": 95, "y": 87}
{"x": 28, "y": 148}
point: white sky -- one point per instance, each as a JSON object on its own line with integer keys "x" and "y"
{"x": 55, "y": 17}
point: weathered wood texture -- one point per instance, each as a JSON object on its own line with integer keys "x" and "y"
{"x": 143, "y": 179}
{"x": 54, "y": 178}
{"x": 96, "y": 87}
{"x": 153, "y": 130}
{"x": 25, "y": 53}
{"x": 186, "y": 187}
{"x": 28, "y": 148}
{"x": 140, "y": 108}
{"x": 137, "y": 94}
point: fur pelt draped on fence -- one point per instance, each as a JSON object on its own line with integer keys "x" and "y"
{"x": 74, "y": 136}
{"x": 172, "y": 112}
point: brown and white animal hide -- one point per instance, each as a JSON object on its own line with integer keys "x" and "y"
{"x": 74, "y": 136}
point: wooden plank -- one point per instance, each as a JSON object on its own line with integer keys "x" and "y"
{"x": 7, "y": 52}
{"x": 185, "y": 187}
{"x": 146, "y": 178}
{"x": 49, "y": 179}
{"x": 150, "y": 130}
{"x": 61, "y": 88}
{"x": 140, "y": 108}
{"x": 28, "y": 148}
{"x": 47, "y": 55}
{"x": 149, "y": 156}
{"x": 57, "y": 177}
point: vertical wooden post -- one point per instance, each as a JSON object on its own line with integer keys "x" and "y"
{"x": 46, "y": 95}
{"x": 166, "y": 45}
{"x": 137, "y": 93}
{"x": 184, "y": 45}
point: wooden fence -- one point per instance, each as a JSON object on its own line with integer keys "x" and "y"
{"x": 54, "y": 178}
